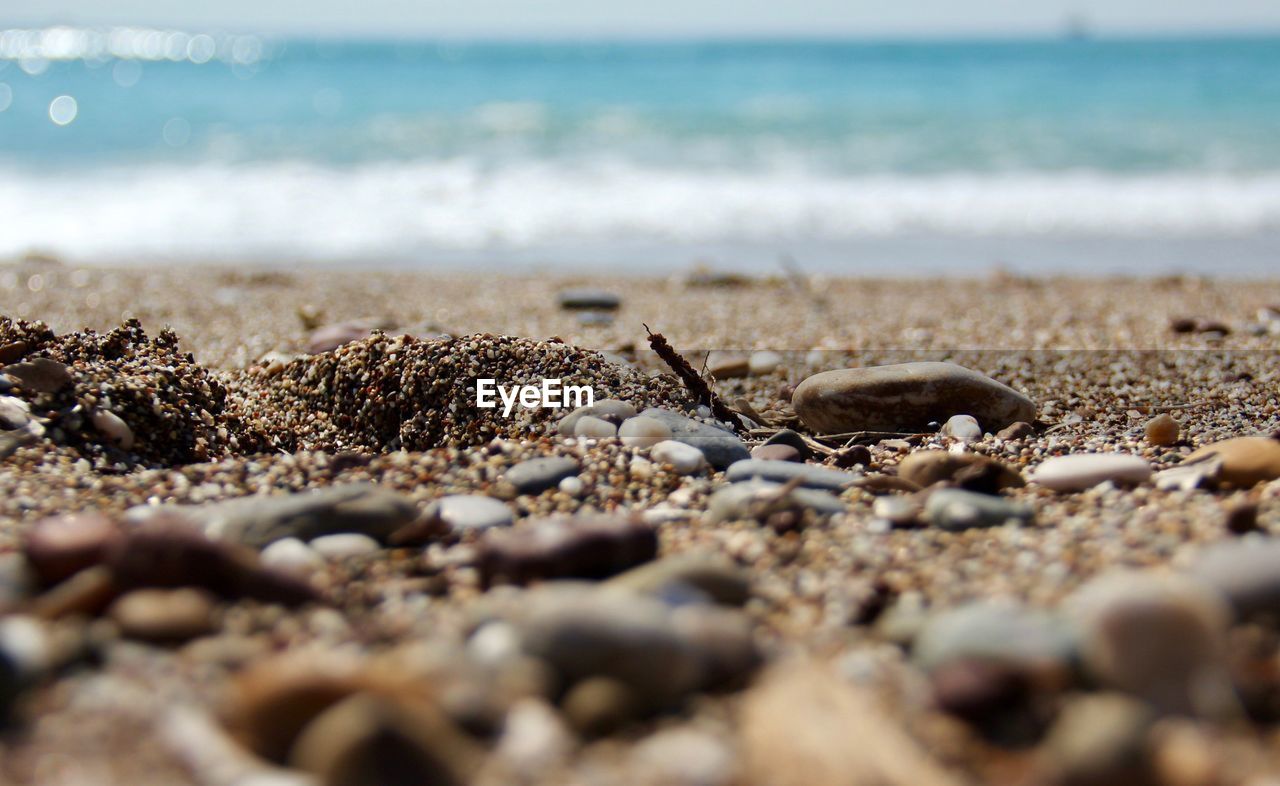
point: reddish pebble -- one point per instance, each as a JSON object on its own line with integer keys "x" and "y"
{"x": 61, "y": 546}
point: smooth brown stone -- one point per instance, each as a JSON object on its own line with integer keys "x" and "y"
{"x": 969, "y": 470}
{"x": 1162, "y": 430}
{"x": 906, "y": 397}
{"x": 1246, "y": 461}
{"x": 164, "y": 615}
{"x": 40, "y": 375}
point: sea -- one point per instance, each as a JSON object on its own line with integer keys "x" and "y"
{"x": 1069, "y": 155}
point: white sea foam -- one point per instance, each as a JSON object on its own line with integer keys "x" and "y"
{"x": 307, "y": 211}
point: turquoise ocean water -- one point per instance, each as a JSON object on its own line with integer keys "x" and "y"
{"x": 1095, "y": 155}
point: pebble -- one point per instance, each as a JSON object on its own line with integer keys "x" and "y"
{"x": 1246, "y": 461}
{"x": 777, "y": 452}
{"x": 537, "y": 475}
{"x": 970, "y": 471}
{"x": 572, "y": 485}
{"x": 957, "y": 509}
{"x": 374, "y": 740}
{"x": 783, "y": 471}
{"x": 740, "y": 501}
{"x": 164, "y": 614}
{"x": 586, "y": 547}
{"x": 1081, "y": 471}
{"x": 1016, "y": 431}
{"x": 1160, "y": 637}
{"x": 257, "y": 521}
{"x": 899, "y": 512}
{"x": 1246, "y": 571}
{"x": 661, "y": 654}
{"x": 40, "y": 375}
{"x": 14, "y": 413}
{"x": 764, "y": 362}
{"x": 998, "y": 631}
{"x": 715, "y": 577}
{"x": 61, "y": 546}
{"x": 963, "y": 428}
{"x": 788, "y": 437}
{"x": 720, "y": 446}
{"x": 588, "y": 299}
{"x": 905, "y": 397}
{"x": 111, "y": 426}
{"x": 641, "y": 432}
{"x": 597, "y": 706}
{"x": 25, "y": 654}
{"x": 292, "y": 556}
{"x": 609, "y": 409}
{"x": 684, "y": 459}
{"x": 1099, "y": 739}
{"x": 1162, "y": 430}
{"x": 591, "y": 427}
{"x": 343, "y": 545}
{"x": 471, "y": 512}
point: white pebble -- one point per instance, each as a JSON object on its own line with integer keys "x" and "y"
{"x": 594, "y": 428}
{"x": 572, "y": 486}
{"x": 113, "y": 428}
{"x": 291, "y": 555}
{"x": 964, "y": 428}
{"x": 1086, "y": 470}
{"x": 764, "y": 362}
{"x": 643, "y": 432}
{"x": 345, "y": 544}
{"x": 684, "y": 459}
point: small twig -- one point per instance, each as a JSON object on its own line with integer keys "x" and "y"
{"x": 850, "y": 437}
{"x": 693, "y": 381}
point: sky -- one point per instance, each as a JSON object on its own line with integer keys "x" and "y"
{"x": 501, "y": 18}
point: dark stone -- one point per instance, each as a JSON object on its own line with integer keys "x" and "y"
{"x": 788, "y": 437}
{"x": 586, "y": 547}
{"x": 40, "y": 375}
{"x": 537, "y": 475}
{"x": 588, "y": 299}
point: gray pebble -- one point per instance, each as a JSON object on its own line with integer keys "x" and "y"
{"x": 955, "y": 509}
{"x": 462, "y": 512}
{"x": 537, "y": 475}
{"x": 783, "y": 471}
{"x": 720, "y": 446}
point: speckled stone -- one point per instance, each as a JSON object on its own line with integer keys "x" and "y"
{"x": 905, "y": 397}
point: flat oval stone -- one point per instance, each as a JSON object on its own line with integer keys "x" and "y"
{"x": 592, "y": 299}
{"x": 61, "y": 546}
{"x": 905, "y": 397}
{"x": 1246, "y": 461}
{"x": 721, "y": 447}
{"x": 1002, "y": 631}
{"x": 735, "y": 501}
{"x": 164, "y": 614}
{"x": 257, "y": 521}
{"x": 764, "y": 362}
{"x": 643, "y": 432}
{"x": 537, "y": 475}
{"x": 684, "y": 459}
{"x": 292, "y": 556}
{"x": 1081, "y": 471}
{"x": 592, "y": 427}
{"x": 40, "y": 375}
{"x": 783, "y": 471}
{"x": 461, "y": 512}
{"x": 956, "y": 509}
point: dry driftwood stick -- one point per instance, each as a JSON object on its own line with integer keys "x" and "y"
{"x": 692, "y": 380}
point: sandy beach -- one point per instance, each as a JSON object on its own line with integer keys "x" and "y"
{"x": 614, "y": 611}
